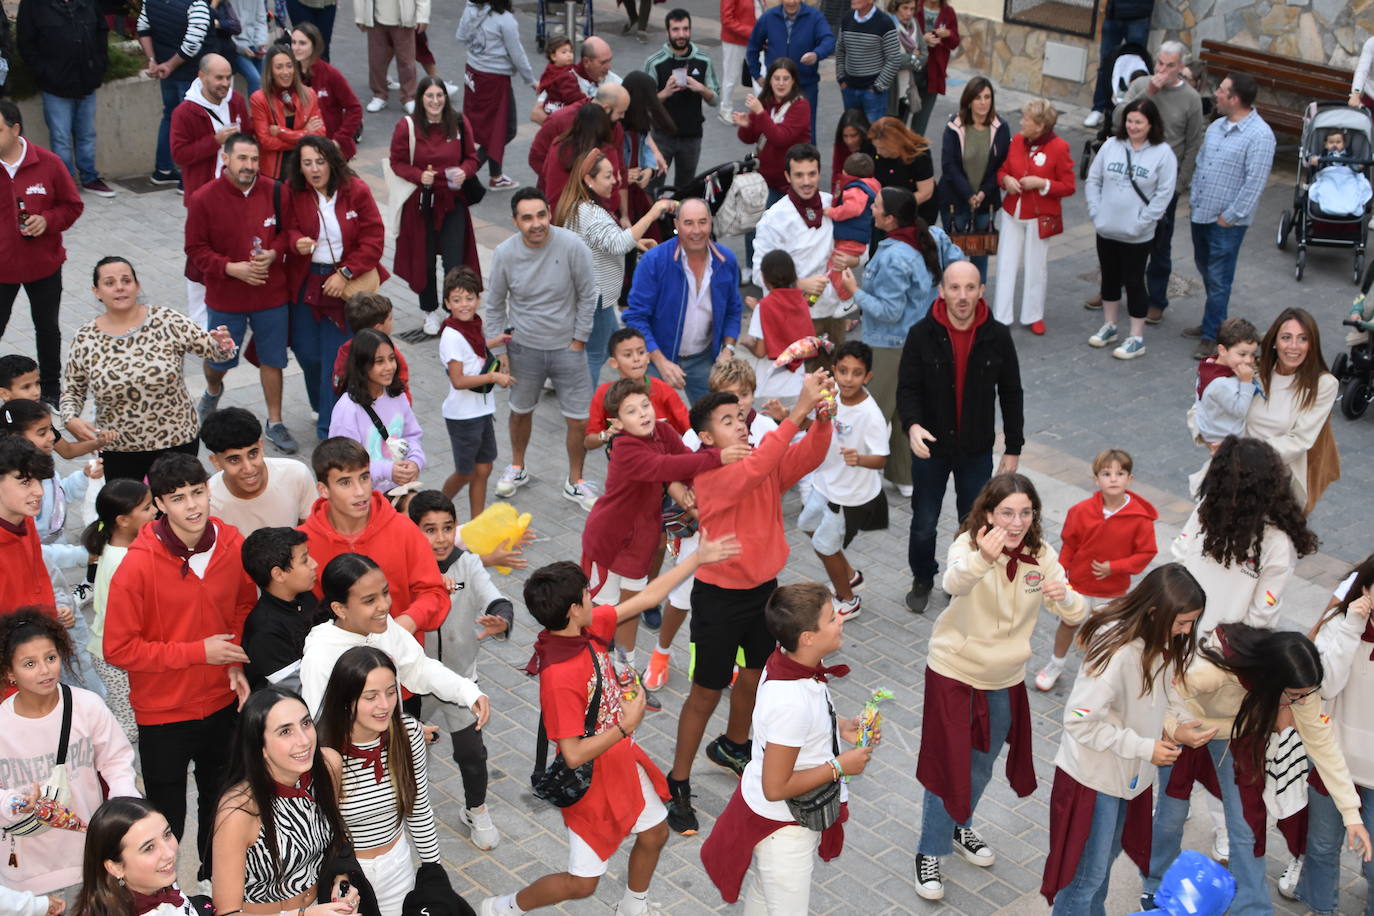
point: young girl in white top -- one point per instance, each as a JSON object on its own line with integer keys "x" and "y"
{"x": 1105, "y": 768}
{"x": 384, "y": 795}
{"x": 122, "y": 507}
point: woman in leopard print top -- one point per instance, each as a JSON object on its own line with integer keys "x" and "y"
{"x": 129, "y": 360}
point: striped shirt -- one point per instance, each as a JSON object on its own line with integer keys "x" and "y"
{"x": 303, "y": 838}
{"x": 868, "y": 52}
{"x": 369, "y": 806}
{"x": 197, "y": 27}
{"x": 608, "y": 243}
{"x": 1232, "y": 168}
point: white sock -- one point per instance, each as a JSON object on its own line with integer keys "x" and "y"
{"x": 634, "y": 903}
{"x": 659, "y": 650}
{"x": 506, "y": 906}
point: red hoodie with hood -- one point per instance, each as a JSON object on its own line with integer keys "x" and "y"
{"x": 25, "y": 582}
{"x": 1126, "y": 539}
{"x": 396, "y": 545}
{"x": 158, "y": 617}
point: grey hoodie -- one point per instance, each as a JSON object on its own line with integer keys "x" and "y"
{"x": 1115, "y": 208}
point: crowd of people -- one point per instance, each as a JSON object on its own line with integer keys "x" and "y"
{"x": 296, "y": 635}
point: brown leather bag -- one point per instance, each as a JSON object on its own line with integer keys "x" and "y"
{"x": 1323, "y": 466}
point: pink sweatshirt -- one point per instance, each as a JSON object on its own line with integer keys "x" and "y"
{"x": 51, "y": 860}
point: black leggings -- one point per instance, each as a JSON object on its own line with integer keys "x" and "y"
{"x": 134, "y": 465}
{"x": 470, "y": 753}
{"x": 1123, "y": 264}
{"x": 446, "y": 243}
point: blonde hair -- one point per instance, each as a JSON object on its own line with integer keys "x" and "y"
{"x": 732, "y": 373}
{"x": 1113, "y": 456}
{"x": 1042, "y": 112}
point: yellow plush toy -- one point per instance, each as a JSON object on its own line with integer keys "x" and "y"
{"x": 498, "y": 524}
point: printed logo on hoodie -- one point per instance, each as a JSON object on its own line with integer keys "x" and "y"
{"x": 36, "y": 189}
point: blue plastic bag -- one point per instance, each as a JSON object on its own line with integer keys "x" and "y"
{"x": 1194, "y": 885}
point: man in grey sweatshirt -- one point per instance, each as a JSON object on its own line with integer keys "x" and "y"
{"x": 542, "y": 287}
{"x": 1184, "y": 126}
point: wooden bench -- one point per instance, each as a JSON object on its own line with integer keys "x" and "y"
{"x": 1291, "y": 83}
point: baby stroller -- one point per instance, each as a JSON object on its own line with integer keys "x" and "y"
{"x": 735, "y": 192}
{"x": 1309, "y": 223}
{"x": 1355, "y": 370}
{"x": 1131, "y": 61}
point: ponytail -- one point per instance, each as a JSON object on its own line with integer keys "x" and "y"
{"x": 118, "y": 497}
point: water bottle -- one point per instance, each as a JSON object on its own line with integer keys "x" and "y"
{"x": 257, "y": 246}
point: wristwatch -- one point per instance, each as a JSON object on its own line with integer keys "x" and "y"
{"x": 347, "y": 274}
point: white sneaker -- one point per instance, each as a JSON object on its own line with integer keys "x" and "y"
{"x": 727, "y": 118}
{"x": 850, "y": 609}
{"x": 971, "y": 846}
{"x": 1221, "y": 846}
{"x": 376, "y": 104}
{"x": 905, "y": 490}
{"x": 392, "y": 83}
{"x": 1094, "y": 119}
{"x": 434, "y": 323}
{"x": 650, "y": 909}
{"x": 512, "y": 478}
{"x": 484, "y": 834}
{"x": 1288, "y": 881}
{"x": 453, "y": 88}
{"x": 409, "y": 106}
{"x": 1105, "y": 335}
{"x": 488, "y": 906}
{"x": 584, "y": 493}
{"x": 928, "y": 882}
{"x": 1133, "y": 347}
{"x": 1048, "y": 676}
{"x": 746, "y": 276}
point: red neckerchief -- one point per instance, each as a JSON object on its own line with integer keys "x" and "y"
{"x": 372, "y": 755}
{"x": 786, "y": 317}
{"x": 905, "y": 234}
{"x": 550, "y": 649}
{"x": 1368, "y": 635}
{"x": 1208, "y": 371}
{"x": 1227, "y": 654}
{"x": 146, "y": 902}
{"x": 809, "y": 207}
{"x": 18, "y": 530}
{"x": 177, "y": 548}
{"x": 1041, "y": 141}
{"x": 472, "y": 333}
{"x": 783, "y": 667}
{"x": 1015, "y": 559}
{"x": 300, "y": 791}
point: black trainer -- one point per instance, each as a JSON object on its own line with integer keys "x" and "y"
{"x": 726, "y": 754}
{"x": 681, "y": 817}
{"x": 971, "y": 846}
{"x": 929, "y": 884}
{"x": 919, "y": 596}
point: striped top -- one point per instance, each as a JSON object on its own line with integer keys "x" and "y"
{"x": 369, "y": 805}
{"x": 868, "y": 53}
{"x": 608, "y": 243}
{"x": 303, "y": 838}
{"x": 197, "y": 27}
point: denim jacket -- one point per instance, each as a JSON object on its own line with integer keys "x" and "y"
{"x": 898, "y": 289}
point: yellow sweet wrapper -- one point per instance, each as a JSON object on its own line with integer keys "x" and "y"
{"x": 871, "y": 718}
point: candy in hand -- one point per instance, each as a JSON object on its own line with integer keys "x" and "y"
{"x": 871, "y": 718}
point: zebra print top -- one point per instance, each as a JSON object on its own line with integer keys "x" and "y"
{"x": 303, "y": 838}
{"x": 367, "y": 799}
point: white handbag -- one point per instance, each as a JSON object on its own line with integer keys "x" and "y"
{"x": 56, "y": 788}
{"x": 398, "y": 189}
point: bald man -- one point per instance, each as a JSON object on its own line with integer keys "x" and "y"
{"x": 950, "y": 413}
{"x": 610, "y": 96}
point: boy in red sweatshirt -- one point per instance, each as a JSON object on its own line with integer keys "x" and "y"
{"x": 1107, "y": 538}
{"x": 349, "y": 517}
{"x": 174, "y": 621}
{"x": 25, "y": 582}
{"x": 728, "y": 598}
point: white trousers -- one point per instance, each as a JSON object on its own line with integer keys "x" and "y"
{"x": 732, "y": 62}
{"x": 1020, "y": 242}
{"x": 779, "y": 882}
{"x": 195, "y": 304}
{"x": 392, "y": 876}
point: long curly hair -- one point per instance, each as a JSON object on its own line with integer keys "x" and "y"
{"x": 1247, "y": 488}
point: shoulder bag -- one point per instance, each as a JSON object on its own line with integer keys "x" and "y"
{"x": 820, "y": 808}
{"x": 1130, "y": 175}
{"x": 56, "y": 789}
{"x": 557, "y": 783}
{"x": 368, "y": 281}
{"x": 974, "y": 242}
{"x": 398, "y": 189}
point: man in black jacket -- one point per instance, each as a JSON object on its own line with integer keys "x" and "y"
{"x": 63, "y": 44}
{"x": 957, "y": 364}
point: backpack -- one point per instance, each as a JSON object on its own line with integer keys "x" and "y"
{"x": 742, "y": 206}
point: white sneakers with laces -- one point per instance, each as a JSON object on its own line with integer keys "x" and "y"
{"x": 483, "y": 832}
{"x": 512, "y": 479}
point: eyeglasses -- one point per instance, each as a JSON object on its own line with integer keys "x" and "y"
{"x": 1293, "y": 699}
{"x": 1011, "y": 515}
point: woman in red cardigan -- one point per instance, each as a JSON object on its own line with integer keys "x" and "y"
{"x": 940, "y": 30}
{"x": 433, "y": 149}
{"x": 775, "y": 120}
{"x": 339, "y": 106}
{"x": 333, "y": 224}
{"x": 284, "y": 110}
{"x": 1037, "y": 172}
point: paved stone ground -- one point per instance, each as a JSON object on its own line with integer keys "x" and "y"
{"x": 1078, "y": 401}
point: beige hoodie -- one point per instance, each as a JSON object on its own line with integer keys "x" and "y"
{"x": 983, "y": 638}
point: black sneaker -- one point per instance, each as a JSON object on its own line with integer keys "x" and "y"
{"x": 1147, "y": 902}
{"x": 929, "y": 884}
{"x": 971, "y": 846}
{"x": 165, "y": 176}
{"x": 652, "y": 618}
{"x": 681, "y": 817}
{"x": 918, "y": 598}
{"x": 725, "y": 753}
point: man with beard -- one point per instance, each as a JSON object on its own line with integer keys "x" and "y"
{"x": 686, "y": 78}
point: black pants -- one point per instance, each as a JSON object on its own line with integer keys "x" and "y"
{"x": 685, "y": 152}
{"x": 45, "y": 296}
{"x": 134, "y": 465}
{"x": 445, "y": 243}
{"x": 640, "y": 20}
{"x": 166, "y": 750}
{"x": 1123, "y": 265}
{"x": 470, "y": 753}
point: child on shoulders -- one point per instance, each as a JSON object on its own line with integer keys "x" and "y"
{"x": 557, "y": 86}
{"x": 374, "y": 412}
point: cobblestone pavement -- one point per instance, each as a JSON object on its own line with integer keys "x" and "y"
{"x": 1078, "y": 401}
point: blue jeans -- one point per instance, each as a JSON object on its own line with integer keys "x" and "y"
{"x": 604, "y": 324}
{"x": 1252, "y": 891}
{"x": 981, "y": 220}
{"x": 1161, "y": 263}
{"x": 697, "y": 368}
{"x": 322, "y": 17}
{"x": 71, "y": 124}
{"x": 937, "y": 827}
{"x": 1319, "y": 886}
{"x": 929, "y": 477}
{"x": 1086, "y": 894}
{"x": 1216, "y": 249}
{"x": 173, "y": 93}
{"x": 874, "y": 104}
{"x": 1115, "y": 33}
{"x": 316, "y": 343}
{"x": 250, "y": 68}
{"x": 812, "y": 94}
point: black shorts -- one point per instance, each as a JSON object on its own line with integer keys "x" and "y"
{"x": 473, "y": 442}
{"x": 726, "y": 622}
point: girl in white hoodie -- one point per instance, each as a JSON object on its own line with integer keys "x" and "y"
{"x": 1112, "y": 741}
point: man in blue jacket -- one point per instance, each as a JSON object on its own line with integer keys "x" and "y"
{"x": 685, "y": 301}
{"x": 792, "y": 29}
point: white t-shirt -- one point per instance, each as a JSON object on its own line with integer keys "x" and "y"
{"x": 463, "y": 403}
{"x": 762, "y": 426}
{"x": 772, "y": 381}
{"x": 287, "y": 498}
{"x": 862, "y": 427}
{"x": 793, "y": 714}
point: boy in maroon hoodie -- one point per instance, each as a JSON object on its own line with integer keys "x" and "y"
{"x": 174, "y": 621}
{"x": 349, "y": 517}
{"x": 25, "y": 582}
{"x": 1107, "y": 538}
